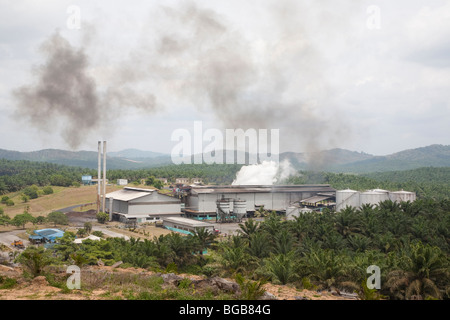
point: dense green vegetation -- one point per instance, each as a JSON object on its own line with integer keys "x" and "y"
{"x": 17, "y": 175}
{"x": 410, "y": 242}
{"x": 213, "y": 173}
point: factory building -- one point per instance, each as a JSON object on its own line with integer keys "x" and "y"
{"x": 141, "y": 205}
{"x": 122, "y": 182}
{"x": 356, "y": 199}
{"x": 211, "y": 202}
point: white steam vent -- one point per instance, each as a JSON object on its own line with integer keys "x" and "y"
{"x": 265, "y": 173}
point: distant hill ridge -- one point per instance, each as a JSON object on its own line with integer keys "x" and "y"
{"x": 334, "y": 160}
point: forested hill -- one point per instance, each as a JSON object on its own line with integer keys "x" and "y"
{"x": 89, "y": 159}
{"x": 426, "y": 182}
{"x": 334, "y": 160}
{"x": 421, "y": 175}
{"x": 430, "y": 156}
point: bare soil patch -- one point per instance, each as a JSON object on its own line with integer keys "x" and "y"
{"x": 78, "y": 218}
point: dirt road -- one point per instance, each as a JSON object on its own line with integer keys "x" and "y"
{"x": 110, "y": 233}
{"x": 8, "y": 237}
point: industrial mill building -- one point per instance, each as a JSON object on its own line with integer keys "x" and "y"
{"x": 202, "y": 202}
{"x": 141, "y": 205}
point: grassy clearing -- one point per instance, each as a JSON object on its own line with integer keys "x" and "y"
{"x": 143, "y": 232}
{"x": 62, "y": 197}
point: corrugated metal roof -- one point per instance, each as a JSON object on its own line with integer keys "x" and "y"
{"x": 261, "y": 189}
{"x": 186, "y": 221}
{"x": 49, "y": 233}
{"x": 315, "y": 199}
{"x": 127, "y": 194}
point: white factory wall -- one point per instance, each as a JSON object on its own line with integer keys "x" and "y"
{"x": 206, "y": 202}
{"x": 150, "y": 208}
{"x": 118, "y": 206}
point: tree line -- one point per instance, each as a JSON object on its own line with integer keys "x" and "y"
{"x": 15, "y": 175}
{"x": 426, "y": 182}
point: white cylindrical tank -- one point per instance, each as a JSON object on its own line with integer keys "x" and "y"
{"x": 346, "y": 198}
{"x": 399, "y": 196}
{"x": 292, "y": 212}
{"x": 372, "y": 197}
{"x": 379, "y": 190}
{"x": 224, "y": 205}
{"x": 239, "y": 208}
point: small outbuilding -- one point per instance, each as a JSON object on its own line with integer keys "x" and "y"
{"x": 46, "y": 235}
{"x": 122, "y": 182}
{"x": 185, "y": 225}
{"x": 90, "y": 237}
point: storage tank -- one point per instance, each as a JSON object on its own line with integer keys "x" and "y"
{"x": 372, "y": 197}
{"x": 223, "y": 209}
{"x": 239, "y": 209}
{"x": 346, "y": 198}
{"x": 399, "y": 196}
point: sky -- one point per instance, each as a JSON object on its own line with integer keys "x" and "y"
{"x": 368, "y": 76}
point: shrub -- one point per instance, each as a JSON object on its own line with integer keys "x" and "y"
{"x": 57, "y": 217}
{"x": 47, "y": 190}
{"x": 250, "y": 290}
{"x": 34, "y": 260}
{"x": 98, "y": 233}
{"x": 31, "y": 192}
{"x": 7, "y": 283}
{"x": 102, "y": 217}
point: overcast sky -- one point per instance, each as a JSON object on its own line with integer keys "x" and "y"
{"x": 370, "y": 76}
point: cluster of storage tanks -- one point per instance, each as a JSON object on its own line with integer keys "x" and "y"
{"x": 356, "y": 199}
{"x": 231, "y": 210}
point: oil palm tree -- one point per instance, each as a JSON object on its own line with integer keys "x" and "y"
{"x": 248, "y": 228}
{"x": 272, "y": 224}
{"x": 326, "y": 266}
{"x": 233, "y": 259}
{"x": 421, "y": 267}
{"x": 283, "y": 242}
{"x": 281, "y": 267}
{"x": 203, "y": 238}
{"x": 259, "y": 245}
{"x": 347, "y": 222}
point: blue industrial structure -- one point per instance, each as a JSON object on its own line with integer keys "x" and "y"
{"x": 46, "y": 235}
{"x": 86, "y": 180}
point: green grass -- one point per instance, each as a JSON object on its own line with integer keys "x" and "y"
{"x": 7, "y": 283}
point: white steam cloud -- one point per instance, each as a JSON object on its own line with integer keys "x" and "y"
{"x": 265, "y": 173}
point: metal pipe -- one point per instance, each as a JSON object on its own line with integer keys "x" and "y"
{"x": 104, "y": 176}
{"x": 98, "y": 175}
{"x": 110, "y": 208}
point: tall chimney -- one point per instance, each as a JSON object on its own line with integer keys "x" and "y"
{"x": 98, "y": 175}
{"x": 104, "y": 177}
